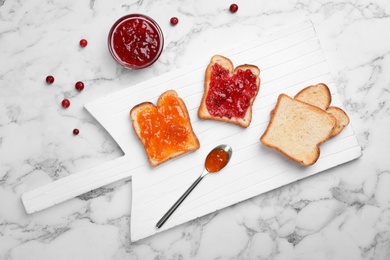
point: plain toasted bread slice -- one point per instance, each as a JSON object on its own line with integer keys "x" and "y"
{"x": 222, "y": 106}
{"x": 165, "y": 131}
{"x": 296, "y": 129}
{"x": 319, "y": 95}
{"x": 341, "y": 118}
{"x": 316, "y": 95}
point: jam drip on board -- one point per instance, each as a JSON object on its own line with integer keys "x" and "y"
{"x": 165, "y": 128}
{"x": 230, "y": 95}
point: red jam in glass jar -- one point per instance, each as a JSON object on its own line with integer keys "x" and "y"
{"x": 135, "y": 41}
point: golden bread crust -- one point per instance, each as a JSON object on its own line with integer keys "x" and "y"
{"x": 316, "y": 95}
{"x": 341, "y": 117}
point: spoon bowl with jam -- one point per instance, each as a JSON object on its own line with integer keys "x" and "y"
{"x": 215, "y": 161}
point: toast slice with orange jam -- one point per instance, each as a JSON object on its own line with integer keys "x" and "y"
{"x": 165, "y": 130}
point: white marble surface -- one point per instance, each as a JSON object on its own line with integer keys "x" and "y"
{"x": 343, "y": 213}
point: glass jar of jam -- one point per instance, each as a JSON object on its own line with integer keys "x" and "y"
{"x": 135, "y": 41}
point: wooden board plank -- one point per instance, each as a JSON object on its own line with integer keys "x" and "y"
{"x": 290, "y": 59}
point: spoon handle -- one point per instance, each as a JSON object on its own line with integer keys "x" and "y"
{"x": 178, "y": 202}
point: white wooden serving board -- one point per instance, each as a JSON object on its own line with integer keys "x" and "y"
{"x": 289, "y": 59}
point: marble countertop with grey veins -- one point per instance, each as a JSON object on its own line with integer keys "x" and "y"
{"x": 342, "y": 213}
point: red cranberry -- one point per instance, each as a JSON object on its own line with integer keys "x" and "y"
{"x": 79, "y": 85}
{"x": 76, "y": 131}
{"x": 49, "y": 79}
{"x": 174, "y": 20}
{"x": 83, "y": 42}
{"x": 233, "y": 8}
{"x": 65, "y": 103}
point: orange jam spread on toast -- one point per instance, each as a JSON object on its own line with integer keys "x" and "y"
{"x": 165, "y": 128}
{"x": 216, "y": 160}
{"x": 230, "y": 95}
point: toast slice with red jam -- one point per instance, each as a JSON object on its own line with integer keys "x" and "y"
{"x": 229, "y": 92}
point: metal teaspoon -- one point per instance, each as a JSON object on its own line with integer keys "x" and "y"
{"x": 215, "y": 161}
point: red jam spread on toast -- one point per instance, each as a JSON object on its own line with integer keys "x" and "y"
{"x": 136, "y": 41}
{"x": 230, "y": 95}
{"x": 164, "y": 128}
{"x": 216, "y": 160}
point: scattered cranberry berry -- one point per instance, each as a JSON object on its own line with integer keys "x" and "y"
{"x": 79, "y": 85}
{"x": 76, "y": 131}
{"x": 83, "y": 43}
{"x": 65, "y": 103}
{"x": 233, "y": 8}
{"x": 49, "y": 79}
{"x": 174, "y": 20}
